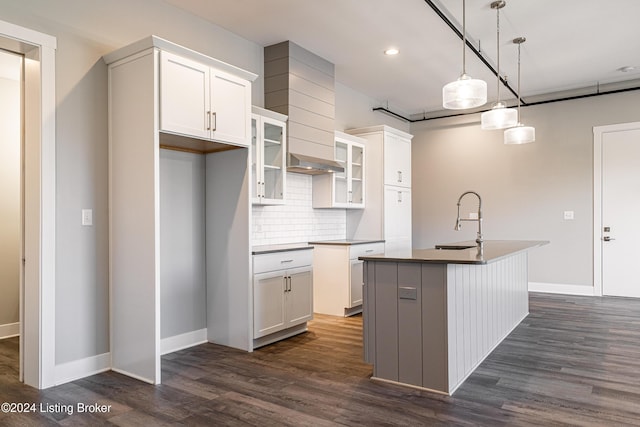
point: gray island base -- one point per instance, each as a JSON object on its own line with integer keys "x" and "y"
{"x": 431, "y": 316}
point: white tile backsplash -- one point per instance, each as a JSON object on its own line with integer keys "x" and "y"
{"x": 297, "y": 221}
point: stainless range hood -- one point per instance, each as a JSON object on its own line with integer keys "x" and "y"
{"x": 301, "y": 85}
{"x": 311, "y": 165}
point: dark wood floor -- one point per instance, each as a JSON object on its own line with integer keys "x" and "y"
{"x": 572, "y": 361}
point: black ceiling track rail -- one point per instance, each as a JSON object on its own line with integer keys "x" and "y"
{"x": 530, "y": 104}
{"x": 495, "y": 73}
{"x": 472, "y": 47}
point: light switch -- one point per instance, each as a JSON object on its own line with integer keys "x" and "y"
{"x": 568, "y": 215}
{"x": 87, "y": 217}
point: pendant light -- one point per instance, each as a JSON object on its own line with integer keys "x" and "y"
{"x": 466, "y": 92}
{"x": 520, "y": 134}
{"x": 499, "y": 117}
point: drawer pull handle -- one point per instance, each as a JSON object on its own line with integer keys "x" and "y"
{"x": 369, "y": 250}
{"x": 286, "y": 260}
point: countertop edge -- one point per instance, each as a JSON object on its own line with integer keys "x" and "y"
{"x": 415, "y": 257}
{"x": 345, "y": 242}
{"x": 270, "y": 249}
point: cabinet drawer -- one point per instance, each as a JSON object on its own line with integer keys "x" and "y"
{"x": 356, "y": 251}
{"x": 282, "y": 260}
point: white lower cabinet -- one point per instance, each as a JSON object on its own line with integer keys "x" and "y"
{"x": 338, "y": 275}
{"x": 282, "y": 294}
{"x": 397, "y": 217}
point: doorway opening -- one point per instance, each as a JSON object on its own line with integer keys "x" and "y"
{"x": 37, "y": 252}
{"x": 11, "y": 235}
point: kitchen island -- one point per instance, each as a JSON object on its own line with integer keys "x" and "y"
{"x": 431, "y": 316}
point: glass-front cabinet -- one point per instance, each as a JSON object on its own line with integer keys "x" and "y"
{"x": 342, "y": 189}
{"x": 268, "y": 157}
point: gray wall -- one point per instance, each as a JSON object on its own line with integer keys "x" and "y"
{"x": 525, "y": 189}
{"x": 183, "y": 298}
{"x": 9, "y": 191}
{"x": 85, "y": 31}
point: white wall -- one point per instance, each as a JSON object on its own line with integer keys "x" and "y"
{"x": 525, "y": 189}
{"x": 296, "y": 221}
{"x": 9, "y": 192}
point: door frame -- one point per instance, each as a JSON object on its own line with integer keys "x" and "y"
{"x": 598, "y": 134}
{"x": 37, "y": 290}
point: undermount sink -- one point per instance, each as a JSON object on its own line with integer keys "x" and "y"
{"x": 455, "y": 247}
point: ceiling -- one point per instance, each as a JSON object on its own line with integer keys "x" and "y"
{"x": 572, "y": 47}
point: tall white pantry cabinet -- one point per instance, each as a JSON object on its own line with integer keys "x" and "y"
{"x": 162, "y": 95}
{"x": 387, "y": 214}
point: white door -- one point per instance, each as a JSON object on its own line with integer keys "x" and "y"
{"x": 620, "y": 206}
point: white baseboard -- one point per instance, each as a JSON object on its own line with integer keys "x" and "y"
{"x": 182, "y": 341}
{"x": 553, "y": 288}
{"x": 9, "y": 330}
{"x": 77, "y": 369}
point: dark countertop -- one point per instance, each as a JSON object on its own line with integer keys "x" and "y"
{"x": 346, "y": 242}
{"x": 267, "y": 249}
{"x": 493, "y": 251}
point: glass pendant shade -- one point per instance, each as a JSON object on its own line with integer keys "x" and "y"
{"x": 520, "y": 134}
{"x": 464, "y": 93}
{"x": 499, "y": 117}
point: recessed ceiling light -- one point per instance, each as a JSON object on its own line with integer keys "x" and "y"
{"x": 391, "y": 51}
{"x": 627, "y": 69}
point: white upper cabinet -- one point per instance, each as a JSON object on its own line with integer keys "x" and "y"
{"x": 268, "y": 157}
{"x": 388, "y": 212}
{"x": 203, "y": 102}
{"x": 397, "y": 160}
{"x": 343, "y": 189}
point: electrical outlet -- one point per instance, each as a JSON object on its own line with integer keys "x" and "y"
{"x": 87, "y": 217}
{"x": 568, "y": 215}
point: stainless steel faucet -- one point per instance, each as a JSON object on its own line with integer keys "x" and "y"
{"x": 459, "y": 220}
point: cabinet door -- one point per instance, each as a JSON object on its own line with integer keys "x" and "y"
{"x": 273, "y": 161}
{"x": 256, "y": 170}
{"x": 356, "y": 175}
{"x": 230, "y": 108}
{"x": 356, "y": 283}
{"x": 341, "y": 185}
{"x": 268, "y": 303}
{"x": 397, "y": 213}
{"x": 397, "y": 160}
{"x": 184, "y": 96}
{"x": 299, "y": 297}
